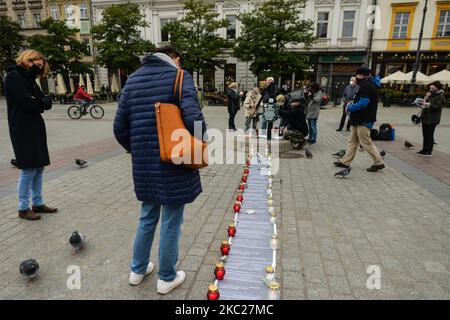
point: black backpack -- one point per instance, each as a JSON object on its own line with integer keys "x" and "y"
{"x": 385, "y": 132}
{"x": 374, "y": 134}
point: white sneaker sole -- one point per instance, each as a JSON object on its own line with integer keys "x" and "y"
{"x": 170, "y": 289}
{"x": 146, "y": 274}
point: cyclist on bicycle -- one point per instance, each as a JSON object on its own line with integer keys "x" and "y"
{"x": 83, "y": 98}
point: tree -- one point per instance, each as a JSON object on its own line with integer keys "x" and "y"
{"x": 196, "y": 36}
{"x": 10, "y": 41}
{"x": 266, "y": 34}
{"x": 61, "y": 47}
{"x": 118, "y": 36}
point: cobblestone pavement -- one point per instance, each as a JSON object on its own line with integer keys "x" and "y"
{"x": 331, "y": 230}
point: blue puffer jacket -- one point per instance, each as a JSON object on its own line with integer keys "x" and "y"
{"x": 135, "y": 129}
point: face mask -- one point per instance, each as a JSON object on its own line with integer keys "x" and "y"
{"x": 358, "y": 80}
{"x": 433, "y": 90}
{"x": 35, "y": 70}
{"x": 351, "y": 83}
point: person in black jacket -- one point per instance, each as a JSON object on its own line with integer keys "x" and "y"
{"x": 26, "y": 102}
{"x": 271, "y": 91}
{"x": 363, "y": 114}
{"x": 296, "y": 127}
{"x": 233, "y": 104}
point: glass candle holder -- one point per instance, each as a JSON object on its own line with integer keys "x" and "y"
{"x": 274, "y": 242}
{"x": 213, "y": 292}
{"x": 270, "y": 202}
{"x": 274, "y": 291}
{"x": 231, "y": 230}
{"x": 219, "y": 271}
{"x": 270, "y": 274}
{"x": 273, "y": 217}
{"x": 225, "y": 248}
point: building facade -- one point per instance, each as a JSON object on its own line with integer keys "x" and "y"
{"x": 340, "y": 26}
{"x": 395, "y": 42}
{"x": 28, "y": 14}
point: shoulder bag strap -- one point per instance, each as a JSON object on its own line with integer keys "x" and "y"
{"x": 178, "y": 87}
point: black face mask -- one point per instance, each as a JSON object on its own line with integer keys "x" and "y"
{"x": 35, "y": 70}
{"x": 358, "y": 80}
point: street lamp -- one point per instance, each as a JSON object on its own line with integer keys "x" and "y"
{"x": 417, "y": 61}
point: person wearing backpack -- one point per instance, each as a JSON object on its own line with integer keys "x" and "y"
{"x": 363, "y": 114}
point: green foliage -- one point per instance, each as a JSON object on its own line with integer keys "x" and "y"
{"x": 61, "y": 47}
{"x": 118, "y": 37}
{"x": 10, "y": 41}
{"x": 268, "y": 32}
{"x": 195, "y": 36}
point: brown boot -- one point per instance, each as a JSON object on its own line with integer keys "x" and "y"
{"x": 44, "y": 209}
{"x": 28, "y": 215}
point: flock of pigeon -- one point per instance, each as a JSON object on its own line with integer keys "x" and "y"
{"x": 29, "y": 268}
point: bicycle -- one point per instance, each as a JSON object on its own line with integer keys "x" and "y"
{"x": 76, "y": 112}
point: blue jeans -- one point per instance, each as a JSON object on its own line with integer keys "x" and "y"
{"x": 30, "y": 183}
{"x": 172, "y": 219}
{"x": 312, "y": 124}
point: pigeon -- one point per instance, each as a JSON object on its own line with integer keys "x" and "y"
{"x": 382, "y": 153}
{"x": 308, "y": 154}
{"x": 81, "y": 163}
{"x": 29, "y": 268}
{"x": 343, "y": 173}
{"x": 14, "y": 163}
{"x": 339, "y": 154}
{"x": 408, "y": 144}
{"x": 76, "y": 240}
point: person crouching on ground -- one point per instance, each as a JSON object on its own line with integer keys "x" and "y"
{"x": 26, "y": 102}
{"x": 296, "y": 127}
{"x": 363, "y": 114}
{"x": 251, "y": 116}
{"x": 159, "y": 185}
{"x": 431, "y": 116}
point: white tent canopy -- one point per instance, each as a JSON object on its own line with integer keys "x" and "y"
{"x": 114, "y": 84}
{"x": 442, "y": 76}
{"x": 420, "y": 78}
{"x": 71, "y": 84}
{"x": 96, "y": 83}
{"x": 81, "y": 81}
{"x": 51, "y": 85}
{"x": 61, "y": 88}
{"x": 89, "y": 88}
{"x": 395, "y": 77}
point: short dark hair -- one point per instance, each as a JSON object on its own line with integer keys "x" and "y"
{"x": 315, "y": 86}
{"x": 364, "y": 71}
{"x": 170, "y": 51}
{"x": 437, "y": 84}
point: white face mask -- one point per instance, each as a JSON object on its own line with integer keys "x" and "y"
{"x": 351, "y": 83}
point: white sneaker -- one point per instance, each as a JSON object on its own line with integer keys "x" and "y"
{"x": 165, "y": 287}
{"x": 136, "y": 278}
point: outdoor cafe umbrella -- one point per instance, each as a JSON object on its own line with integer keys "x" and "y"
{"x": 89, "y": 88}
{"x": 420, "y": 78}
{"x": 61, "y": 88}
{"x": 51, "y": 85}
{"x": 442, "y": 76}
{"x": 96, "y": 83}
{"x": 71, "y": 84}
{"x": 395, "y": 77}
{"x": 81, "y": 81}
{"x": 114, "y": 84}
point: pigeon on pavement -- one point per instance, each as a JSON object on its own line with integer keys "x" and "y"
{"x": 76, "y": 240}
{"x": 343, "y": 173}
{"x": 81, "y": 163}
{"x": 308, "y": 154}
{"x": 408, "y": 144}
{"x": 339, "y": 154}
{"x": 29, "y": 269}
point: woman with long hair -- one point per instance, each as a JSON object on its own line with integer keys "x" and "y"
{"x": 26, "y": 103}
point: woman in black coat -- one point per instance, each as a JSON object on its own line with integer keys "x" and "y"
{"x": 26, "y": 102}
{"x": 233, "y": 104}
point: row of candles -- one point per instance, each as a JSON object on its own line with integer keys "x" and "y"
{"x": 219, "y": 270}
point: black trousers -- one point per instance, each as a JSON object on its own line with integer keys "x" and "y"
{"x": 344, "y": 115}
{"x": 231, "y": 124}
{"x": 428, "y": 137}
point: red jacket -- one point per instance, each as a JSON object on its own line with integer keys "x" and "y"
{"x": 82, "y": 95}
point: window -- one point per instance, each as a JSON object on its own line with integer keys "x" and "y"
{"x": 348, "y": 24}
{"x": 164, "y": 34}
{"x": 54, "y": 12}
{"x": 444, "y": 24}
{"x": 322, "y": 24}
{"x": 231, "y": 29}
{"x": 83, "y": 11}
{"x": 37, "y": 20}
{"x": 401, "y": 25}
{"x": 21, "y": 21}
{"x": 70, "y": 15}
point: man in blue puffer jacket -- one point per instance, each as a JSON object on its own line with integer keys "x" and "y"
{"x": 157, "y": 184}
{"x": 363, "y": 114}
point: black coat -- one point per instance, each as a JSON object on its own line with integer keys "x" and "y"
{"x": 233, "y": 100}
{"x": 26, "y": 102}
{"x": 295, "y": 117}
